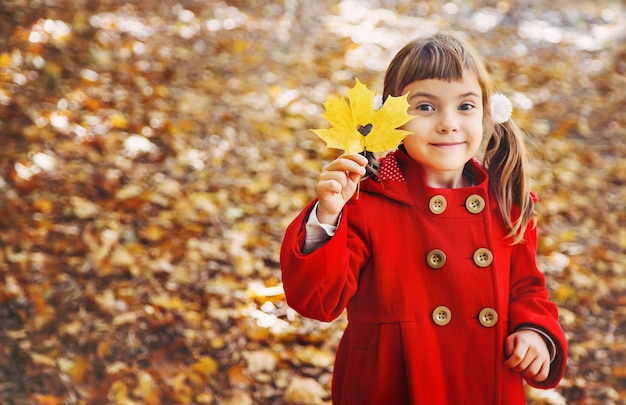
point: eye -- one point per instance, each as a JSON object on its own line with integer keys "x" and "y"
{"x": 424, "y": 107}
{"x": 466, "y": 107}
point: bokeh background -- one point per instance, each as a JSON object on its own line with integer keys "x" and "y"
{"x": 152, "y": 153}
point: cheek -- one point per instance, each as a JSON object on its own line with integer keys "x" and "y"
{"x": 412, "y": 142}
{"x": 413, "y": 125}
{"x": 477, "y": 128}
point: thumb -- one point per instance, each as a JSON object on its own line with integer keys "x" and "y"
{"x": 509, "y": 345}
{"x": 354, "y": 177}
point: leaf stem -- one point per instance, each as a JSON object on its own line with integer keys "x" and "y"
{"x": 358, "y": 186}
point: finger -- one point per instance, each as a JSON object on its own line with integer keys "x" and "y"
{"x": 532, "y": 369}
{"x": 518, "y": 355}
{"x": 358, "y": 158}
{"x": 329, "y": 187}
{"x": 332, "y": 183}
{"x": 347, "y": 163}
{"x": 544, "y": 372}
{"x": 537, "y": 371}
{"x": 509, "y": 345}
{"x": 339, "y": 177}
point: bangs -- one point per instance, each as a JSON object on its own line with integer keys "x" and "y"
{"x": 431, "y": 62}
{"x": 439, "y": 57}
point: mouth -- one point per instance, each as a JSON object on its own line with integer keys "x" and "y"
{"x": 447, "y": 144}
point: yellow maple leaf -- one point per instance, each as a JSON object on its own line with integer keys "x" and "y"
{"x": 358, "y": 127}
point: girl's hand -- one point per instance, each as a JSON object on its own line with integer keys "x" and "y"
{"x": 528, "y": 353}
{"x": 337, "y": 184}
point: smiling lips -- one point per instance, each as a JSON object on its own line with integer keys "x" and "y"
{"x": 447, "y": 144}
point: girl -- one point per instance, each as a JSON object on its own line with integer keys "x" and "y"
{"x": 435, "y": 261}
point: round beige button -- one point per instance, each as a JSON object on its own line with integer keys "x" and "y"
{"x": 483, "y": 257}
{"x": 437, "y": 204}
{"x": 488, "y": 317}
{"x": 475, "y": 204}
{"x": 436, "y": 259}
{"x": 442, "y": 315}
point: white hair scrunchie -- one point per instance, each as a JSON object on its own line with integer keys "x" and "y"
{"x": 378, "y": 102}
{"x": 501, "y": 108}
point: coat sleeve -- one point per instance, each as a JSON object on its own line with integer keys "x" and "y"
{"x": 319, "y": 285}
{"x": 529, "y": 305}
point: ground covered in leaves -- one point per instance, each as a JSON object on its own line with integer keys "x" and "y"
{"x": 152, "y": 155}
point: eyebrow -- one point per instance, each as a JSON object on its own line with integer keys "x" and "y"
{"x": 429, "y": 95}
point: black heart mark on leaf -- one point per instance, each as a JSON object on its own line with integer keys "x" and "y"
{"x": 364, "y": 129}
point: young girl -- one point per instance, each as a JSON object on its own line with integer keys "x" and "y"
{"x": 435, "y": 261}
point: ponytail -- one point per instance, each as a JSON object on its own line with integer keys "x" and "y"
{"x": 506, "y": 162}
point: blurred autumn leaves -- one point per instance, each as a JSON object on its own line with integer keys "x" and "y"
{"x": 152, "y": 155}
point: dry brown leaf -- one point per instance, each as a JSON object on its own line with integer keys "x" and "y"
{"x": 304, "y": 391}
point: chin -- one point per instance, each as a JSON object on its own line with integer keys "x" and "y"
{"x": 450, "y": 166}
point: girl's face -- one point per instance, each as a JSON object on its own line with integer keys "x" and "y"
{"x": 447, "y": 129}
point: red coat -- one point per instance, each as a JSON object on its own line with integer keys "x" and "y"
{"x": 431, "y": 291}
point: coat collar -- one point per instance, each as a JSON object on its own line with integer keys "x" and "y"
{"x": 402, "y": 179}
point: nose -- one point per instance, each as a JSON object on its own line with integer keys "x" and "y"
{"x": 448, "y": 122}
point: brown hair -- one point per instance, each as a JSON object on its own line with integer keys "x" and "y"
{"x": 445, "y": 56}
